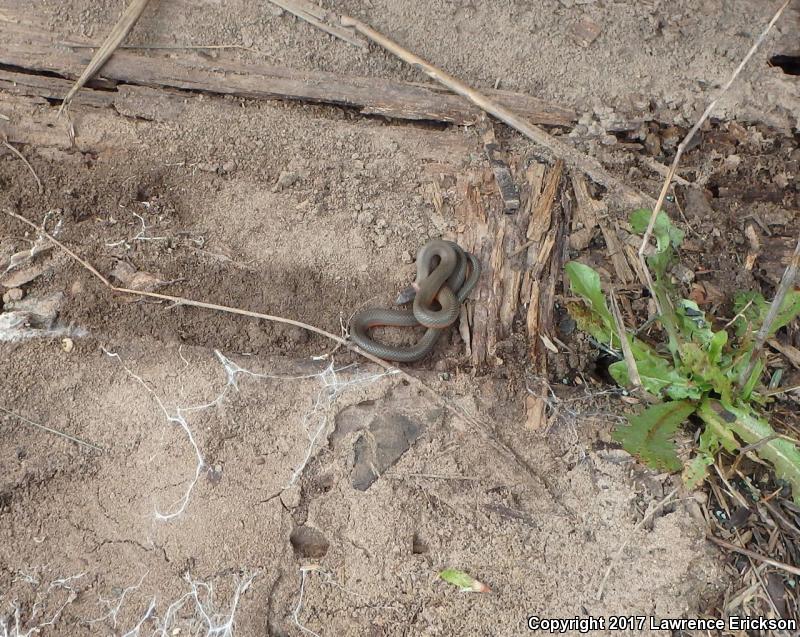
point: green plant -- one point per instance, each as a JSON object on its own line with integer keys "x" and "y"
{"x": 695, "y": 370}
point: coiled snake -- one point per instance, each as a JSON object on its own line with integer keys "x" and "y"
{"x": 445, "y": 274}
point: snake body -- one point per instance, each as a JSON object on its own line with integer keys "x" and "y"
{"x": 445, "y": 274}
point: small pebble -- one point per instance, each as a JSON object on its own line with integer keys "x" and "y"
{"x": 67, "y": 344}
{"x": 285, "y": 180}
{"x": 365, "y": 218}
{"x": 14, "y": 294}
{"x": 406, "y": 257}
{"x": 291, "y": 497}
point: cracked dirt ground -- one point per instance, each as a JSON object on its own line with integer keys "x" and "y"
{"x": 308, "y": 212}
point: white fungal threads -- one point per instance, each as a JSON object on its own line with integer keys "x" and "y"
{"x": 40, "y": 615}
{"x": 202, "y": 610}
{"x": 314, "y": 421}
{"x": 195, "y": 610}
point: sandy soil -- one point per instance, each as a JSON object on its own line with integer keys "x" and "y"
{"x": 235, "y": 476}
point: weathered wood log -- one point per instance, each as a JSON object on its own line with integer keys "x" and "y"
{"x": 28, "y": 48}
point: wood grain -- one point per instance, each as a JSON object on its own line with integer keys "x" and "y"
{"x": 29, "y": 48}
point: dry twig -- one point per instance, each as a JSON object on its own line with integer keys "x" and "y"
{"x": 756, "y": 556}
{"x": 114, "y": 39}
{"x": 318, "y": 17}
{"x": 27, "y": 163}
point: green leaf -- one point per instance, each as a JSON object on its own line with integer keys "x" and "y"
{"x": 712, "y": 438}
{"x": 718, "y": 341}
{"x": 692, "y": 322}
{"x": 696, "y": 470}
{"x": 667, "y": 237}
{"x": 665, "y": 233}
{"x": 754, "y": 308}
{"x": 705, "y": 373}
{"x": 590, "y": 322}
{"x": 782, "y": 454}
{"x": 657, "y": 375}
{"x": 585, "y": 282}
{"x": 649, "y": 434}
{"x": 755, "y": 376}
{"x": 466, "y": 583}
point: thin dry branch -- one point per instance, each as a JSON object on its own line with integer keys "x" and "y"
{"x": 27, "y": 163}
{"x": 572, "y": 157}
{"x": 114, "y": 39}
{"x": 479, "y": 427}
{"x": 786, "y": 284}
{"x": 51, "y": 430}
{"x": 682, "y": 146}
{"x": 318, "y": 17}
{"x": 627, "y": 352}
{"x": 756, "y": 556}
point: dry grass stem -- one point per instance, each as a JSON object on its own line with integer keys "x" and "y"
{"x": 27, "y": 163}
{"x": 51, "y": 430}
{"x": 627, "y": 352}
{"x": 756, "y": 556}
{"x": 106, "y": 50}
{"x": 318, "y": 17}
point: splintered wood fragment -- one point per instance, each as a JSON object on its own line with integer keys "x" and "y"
{"x": 623, "y": 193}
{"x": 539, "y": 213}
{"x": 593, "y": 211}
{"x": 546, "y": 236}
{"x": 536, "y": 409}
{"x": 497, "y": 161}
{"x": 470, "y": 211}
{"x": 790, "y": 352}
{"x": 114, "y": 39}
{"x": 318, "y": 17}
{"x": 585, "y": 214}
{"x": 32, "y": 47}
{"x": 545, "y": 258}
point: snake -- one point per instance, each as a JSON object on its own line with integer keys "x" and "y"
{"x": 446, "y": 274}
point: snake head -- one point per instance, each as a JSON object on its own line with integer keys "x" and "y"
{"x": 407, "y": 294}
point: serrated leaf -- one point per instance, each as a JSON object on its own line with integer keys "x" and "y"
{"x": 466, "y": 583}
{"x": 782, "y": 454}
{"x": 649, "y": 434}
